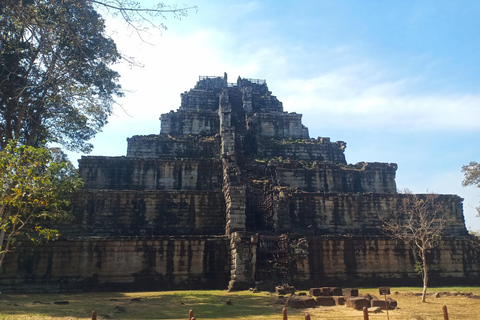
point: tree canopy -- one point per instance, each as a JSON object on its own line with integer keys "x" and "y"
{"x": 36, "y": 185}
{"x": 55, "y": 81}
{"x": 56, "y": 88}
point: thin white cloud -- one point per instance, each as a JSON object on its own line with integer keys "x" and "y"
{"x": 366, "y": 101}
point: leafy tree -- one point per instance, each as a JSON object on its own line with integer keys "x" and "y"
{"x": 56, "y": 87}
{"x": 56, "y": 84}
{"x": 35, "y": 188}
{"x": 55, "y": 81}
{"x": 419, "y": 221}
{"x": 472, "y": 176}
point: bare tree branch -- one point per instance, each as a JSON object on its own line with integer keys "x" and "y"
{"x": 419, "y": 221}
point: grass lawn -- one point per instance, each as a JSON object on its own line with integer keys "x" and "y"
{"x": 212, "y": 305}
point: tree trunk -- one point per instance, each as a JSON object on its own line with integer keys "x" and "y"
{"x": 2, "y": 236}
{"x": 4, "y": 250}
{"x": 425, "y": 277}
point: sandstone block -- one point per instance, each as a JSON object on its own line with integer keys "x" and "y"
{"x": 357, "y": 302}
{"x": 336, "y": 291}
{"x": 325, "y": 301}
{"x": 326, "y": 291}
{"x": 370, "y": 297}
{"x": 309, "y": 302}
{"x": 339, "y": 300}
{"x": 296, "y": 301}
{"x": 374, "y": 310}
{"x": 315, "y": 292}
{"x": 391, "y": 303}
{"x": 349, "y": 292}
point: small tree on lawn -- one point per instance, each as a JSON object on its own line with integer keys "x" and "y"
{"x": 419, "y": 221}
{"x": 35, "y": 189}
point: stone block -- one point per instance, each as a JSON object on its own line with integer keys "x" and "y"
{"x": 315, "y": 292}
{"x": 370, "y": 297}
{"x": 339, "y": 300}
{"x": 326, "y": 291}
{"x": 374, "y": 310}
{"x": 349, "y": 292}
{"x": 325, "y": 301}
{"x": 336, "y": 291}
{"x": 357, "y": 302}
{"x": 309, "y": 302}
{"x": 391, "y": 303}
{"x": 378, "y": 303}
{"x": 296, "y": 301}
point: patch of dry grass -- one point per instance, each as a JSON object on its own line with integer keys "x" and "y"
{"x": 211, "y": 305}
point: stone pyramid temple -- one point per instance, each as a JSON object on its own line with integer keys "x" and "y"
{"x": 234, "y": 193}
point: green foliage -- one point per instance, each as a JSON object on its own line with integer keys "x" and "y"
{"x": 472, "y": 176}
{"x": 56, "y": 84}
{"x": 35, "y": 189}
{"x": 55, "y": 81}
{"x": 418, "y": 268}
{"x": 56, "y": 87}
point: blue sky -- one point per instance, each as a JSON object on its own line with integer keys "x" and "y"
{"x": 399, "y": 81}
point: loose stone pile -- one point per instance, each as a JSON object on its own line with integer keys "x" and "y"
{"x": 332, "y": 296}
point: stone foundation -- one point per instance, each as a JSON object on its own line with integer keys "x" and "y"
{"x": 239, "y": 262}
{"x": 160, "y": 263}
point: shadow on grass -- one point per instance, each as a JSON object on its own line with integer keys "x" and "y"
{"x": 145, "y": 305}
{"x": 176, "y": 304}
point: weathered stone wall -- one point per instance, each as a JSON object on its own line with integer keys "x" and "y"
{"x": 122, "y": 173}
{"x": 350, "y": 261}
{"x": 200, "y": 98}
{"x": 208, "y": 262}
{"x": 380, "y": 261}
{"x": 129, "y": 212}
{"x": 347, "y": 214}
{"x": 127, "y": 264}
{"x": 277, "y": 125}
{"x": 156, "y": 146}
{"x": 243, "y": 253}
{"x": 320, "y": 149}
{"x": 328, "y": 177}
{"x": 184, "y": 123}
